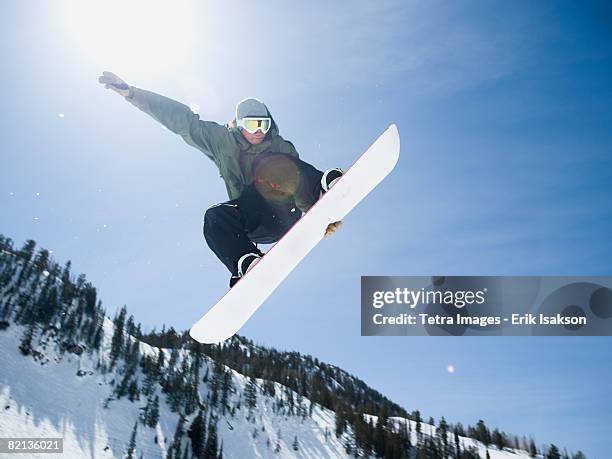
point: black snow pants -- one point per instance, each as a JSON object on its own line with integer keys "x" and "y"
{"x": 232, "y": 228}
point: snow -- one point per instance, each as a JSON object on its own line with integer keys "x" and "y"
{"x": 46, "y": 398}
{"x": 51, "y": 394}
{"x": 42, "y": 396}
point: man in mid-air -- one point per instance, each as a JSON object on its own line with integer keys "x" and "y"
{"x": 268, "y": 185}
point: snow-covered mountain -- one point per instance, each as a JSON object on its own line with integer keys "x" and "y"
{"x": 53, "y": 394}
{"x": 111, "y": 391}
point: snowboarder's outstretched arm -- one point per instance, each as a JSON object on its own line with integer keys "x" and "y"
{"x": 207, "y": 136}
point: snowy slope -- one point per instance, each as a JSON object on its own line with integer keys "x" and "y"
{"x": 68, "y": 371}
{"x": 44, "y": 397}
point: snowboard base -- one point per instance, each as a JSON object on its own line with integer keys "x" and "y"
{"x": 232, "y": 311}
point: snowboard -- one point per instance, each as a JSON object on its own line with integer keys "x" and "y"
{"x": 232, "y": 311}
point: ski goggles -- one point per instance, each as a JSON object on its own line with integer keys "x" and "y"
{"x": 252, "y": 125}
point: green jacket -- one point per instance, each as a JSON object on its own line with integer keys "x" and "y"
{"x": 227, "y": 147}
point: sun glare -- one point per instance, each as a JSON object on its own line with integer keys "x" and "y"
{"x": 132, "y": 37}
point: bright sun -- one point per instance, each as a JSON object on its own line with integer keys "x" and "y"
{"x": 135, "y": 37}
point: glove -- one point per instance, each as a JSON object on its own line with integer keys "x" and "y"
{"x": 332, "y": 228}
{"x": 112, "y": 81}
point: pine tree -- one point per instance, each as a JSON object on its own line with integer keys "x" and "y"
{"x": 431, "y": 422}
{"x": 132, "y": 445}
{"x": 97, "y": 339}
{"x": 380, "y": 437}
{"x": 159, "y": 365}
{"x": 470, "y": 453}
{"x": 250, "y": 395}
{"x": 416, "y": 415}
{"x": 117, "y": 340}
{"x": 533, "y": 451}
{"x": 123, "y": 387}
{"x": 383, "y": 415}
{"x": 295, "y": 444}
{"x": 130, "y": 328}
{"x": 192, "y": 398}
{"x": 27, "y": 250}
{"x": 148, "y": 386}
{"x": 133, "y": 391}
{"x": 457, "y": 444}
{"x": 174, "y": 355}
{"x": 226, "y": 388}
{"x": 196, "y": 433}
{"x": 341, "y": 420}
{"x": 6, "y": 244}
{"x": 482, "y": 433}
{"x": 41, "y": 261}
{"x": 428, "y": 450}
{"x": 153, "y": 413}
{"x": 497, "y": 439}
{"x": 215, "y": 383}
{"x": 46, "y": 306}
{"x": 5, "y": 310}
{"x": 362, "y": 432}
{"x": 90, "y": 296}
{"x": 67, "y": 287}
{"x": 210, "y": 450}
{"x": 553, "y": 453}
{"x": 26, "y": 341}
{"x": 442, "y": 433}
{"x": 579, "y": 455}
{"x": 176, "y": 441}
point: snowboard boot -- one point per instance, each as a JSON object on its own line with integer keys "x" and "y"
{"x": 329, "y": 179}
{"x": 245, "y": 264}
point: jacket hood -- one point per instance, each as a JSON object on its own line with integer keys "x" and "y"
{"x": 270, "y": 135}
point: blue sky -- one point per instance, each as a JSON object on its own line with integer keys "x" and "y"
{"x": 504, "y": 110}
